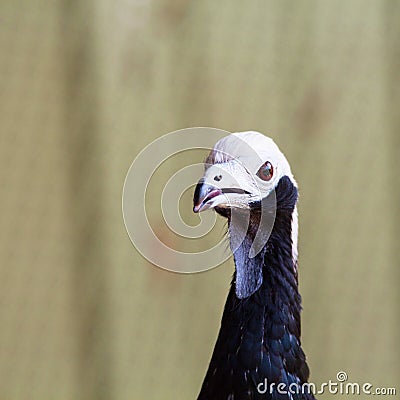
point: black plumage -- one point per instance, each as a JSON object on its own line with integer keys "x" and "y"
{"x": 259, "y": 337}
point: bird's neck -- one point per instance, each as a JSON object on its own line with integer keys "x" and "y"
{"x": 264, "y": 241}
{"x": 259, "y": 339}
{"x": 273, "y": 272}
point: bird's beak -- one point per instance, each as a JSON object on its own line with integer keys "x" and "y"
{"x": 203, "y": 195}
{"x": 223, "y": 185}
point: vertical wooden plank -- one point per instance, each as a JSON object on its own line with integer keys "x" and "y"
{"x": 38, "y": 337}
{"x": 86, "y": 184}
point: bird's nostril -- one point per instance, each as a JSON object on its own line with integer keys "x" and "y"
{"x": 217, "y": 178}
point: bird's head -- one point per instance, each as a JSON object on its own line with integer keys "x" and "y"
{"x": 248, "y": 179}
{"x": 241, "y": 170}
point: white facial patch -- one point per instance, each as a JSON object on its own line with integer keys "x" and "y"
{"x": 295, "y": 233}
{"x": 252, "y": 149}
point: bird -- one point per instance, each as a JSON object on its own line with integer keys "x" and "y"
{"x": 248, "y": 181}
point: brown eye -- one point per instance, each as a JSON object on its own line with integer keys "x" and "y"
{"x": 266, "y": 171}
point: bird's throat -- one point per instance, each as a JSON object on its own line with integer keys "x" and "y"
{"x": 249, "y": 270}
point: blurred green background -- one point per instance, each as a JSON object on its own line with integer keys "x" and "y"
{"x": 85, "y": 85}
